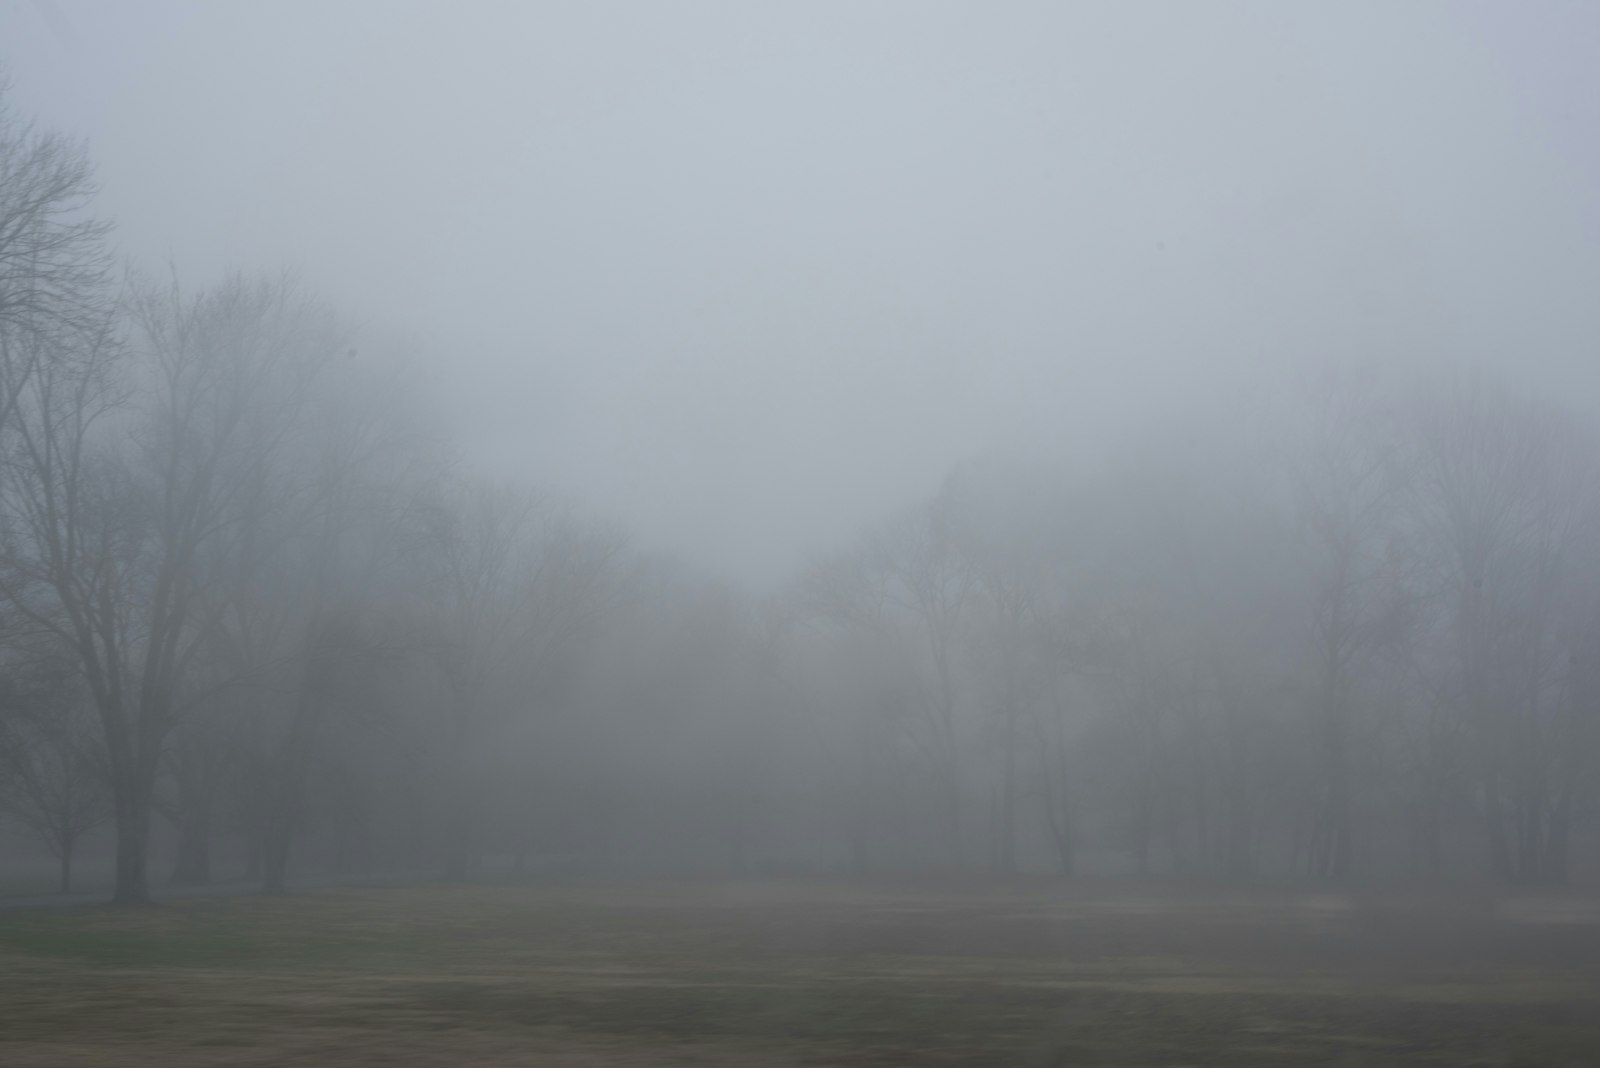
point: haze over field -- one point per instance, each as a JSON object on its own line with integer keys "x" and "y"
{"x": 799, "y": 533}
{"x": 751, "y": 276}
{"x": 1098, "y": 439}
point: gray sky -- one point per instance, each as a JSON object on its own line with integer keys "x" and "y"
{"x": 749, "y": 275}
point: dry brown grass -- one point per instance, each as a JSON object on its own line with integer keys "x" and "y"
{"x": 797, "y": 974}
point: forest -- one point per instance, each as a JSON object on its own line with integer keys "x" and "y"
{"x": 260, "y": 619}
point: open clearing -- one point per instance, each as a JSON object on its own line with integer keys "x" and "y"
{"x": 799, "y": 973}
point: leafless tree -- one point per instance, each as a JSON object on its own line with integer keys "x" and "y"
{"x": 116, "y": 513}
{"x": 332, "y": 602}
{"x": 517, "y": 585}
{"x": 1506, "y": 499}
{"x": 1347, "y": 481}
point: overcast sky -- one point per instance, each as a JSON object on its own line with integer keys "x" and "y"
{"x": 749, "y": 275}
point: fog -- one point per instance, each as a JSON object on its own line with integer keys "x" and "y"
{"x": 1092, "y": 438}
{"x": 748, "y": 276}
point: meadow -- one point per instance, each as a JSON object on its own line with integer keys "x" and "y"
{"x": 803, "y": 973}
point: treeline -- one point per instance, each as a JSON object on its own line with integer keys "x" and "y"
{"x": 253, "y": 612}
{"x": 1362, "y": 641}
{"x": 243, "y": 591}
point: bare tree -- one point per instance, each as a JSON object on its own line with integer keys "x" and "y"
{"x": 518, "y": 585}
{"x": 115, "y": 517}
{"x": 481, "y": 556}
{"x": 928, "y": 579}
{"x": 1001, "y": 519}
{"x": 898, "y": 600}
{"x": 330, "y": 603}
{"x": 1506, "y": 499}
{"x": 1347, "y": 486}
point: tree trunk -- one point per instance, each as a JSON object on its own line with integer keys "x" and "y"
{"x": 460, "y": 817}
{"x": 133, "y": 836}
{"x": 196, "y": 771}
{"x": 66, "y": 866}
{"x": 458, "y": 844}
{"x": 1527, "y": 812}
{"x": 1238, "y": 860}
{"x": 192, "y": 867}
{"x": 252, "y": 855}
{"x": 1061, "y": 832}
{"x": 342, "y": 848}
{"x": 1494, "y": 824}
{"x": 1141, "y": 831}
{"x": 286, "y": 786}
{"x": 857, "y": 833}
{"x": 275, "y": 856}
{"x": 1556, "y": 841}
{"x": 278, "y": 826}
{"x": 1057, "y": 800}
{"x": 1331, "y": 853}
{"x": 460, "y": 822}
{"x": 1008, "y": 795}
{"x": 952, "y": 802}
{"x": 1427, "y": 847}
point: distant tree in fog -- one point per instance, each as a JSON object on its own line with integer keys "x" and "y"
{"x": 1506, "y": 497}
{"x": 1348, "y": 481}
{"x": 124, "y": 481}
{"x": 1001, "y": 517}
{"x": 330, "y": 612}
{"x": 514, "y": 586}
{"x": 1361, "y": 636}
{"x": 479, "y": 560}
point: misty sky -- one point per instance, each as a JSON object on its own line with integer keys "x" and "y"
{"x": 749, "y": 275}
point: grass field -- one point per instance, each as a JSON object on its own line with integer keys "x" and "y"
{"x": 799, "y": 974}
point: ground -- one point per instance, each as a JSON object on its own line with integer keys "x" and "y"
{"x": 802, "y": 973}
